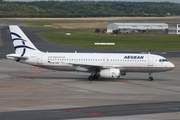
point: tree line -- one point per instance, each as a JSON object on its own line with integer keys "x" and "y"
{"x": 72, "y": 9}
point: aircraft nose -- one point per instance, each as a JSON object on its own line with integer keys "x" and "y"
{"x": 171, "y": 66}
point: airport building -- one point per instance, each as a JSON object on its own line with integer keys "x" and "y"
{"x": 137, "y": 26}
{"x": 174, "y": 29}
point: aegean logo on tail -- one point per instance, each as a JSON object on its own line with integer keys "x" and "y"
{"x": 23, "y": 42}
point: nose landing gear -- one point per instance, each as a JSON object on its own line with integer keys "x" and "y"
{"x": 150, "y": 78}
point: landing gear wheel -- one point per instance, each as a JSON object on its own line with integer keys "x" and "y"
{"x": 96, "y": 77}
{"x": 91, "y": 78}
{"x": 150, "y": 78}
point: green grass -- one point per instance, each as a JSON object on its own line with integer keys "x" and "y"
{"x": 87, "y": 38}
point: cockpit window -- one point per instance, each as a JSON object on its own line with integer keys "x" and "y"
{"x": 163, "y": 60}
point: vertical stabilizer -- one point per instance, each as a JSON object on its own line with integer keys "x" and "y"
{"x": 22, "y": 44}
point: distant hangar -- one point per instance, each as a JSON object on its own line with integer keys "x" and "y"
{"x": 174, "y": 28}
{"x": 137, "y": 26}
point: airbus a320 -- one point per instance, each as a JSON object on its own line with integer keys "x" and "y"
{"x": 106, "y": 65}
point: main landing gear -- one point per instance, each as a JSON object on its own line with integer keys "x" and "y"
{"x": 150, "y": 78}
{"x": 92, "y": 77}
{"x": 94, "y": 74}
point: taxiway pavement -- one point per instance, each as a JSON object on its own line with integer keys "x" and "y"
{"x": 29, "y": 93}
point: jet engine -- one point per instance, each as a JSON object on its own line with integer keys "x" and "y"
{"x": 110, "y": 73}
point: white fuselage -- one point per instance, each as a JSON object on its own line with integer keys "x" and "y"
{"x": 83, "y": 61}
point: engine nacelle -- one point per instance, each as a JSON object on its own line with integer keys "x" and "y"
{"x": 110, "y": 73}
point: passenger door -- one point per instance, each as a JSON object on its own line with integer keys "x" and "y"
{"x": 150, "y": 61}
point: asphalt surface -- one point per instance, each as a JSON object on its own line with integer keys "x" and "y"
{"x": 82, "y": 112}
{"x": 90, "y": 112}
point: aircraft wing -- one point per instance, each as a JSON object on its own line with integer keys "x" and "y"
{"x": 93, "y": 65}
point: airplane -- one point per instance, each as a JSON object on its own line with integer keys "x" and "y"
{"x": 106, "y": 65}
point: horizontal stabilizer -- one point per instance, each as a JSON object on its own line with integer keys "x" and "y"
{"x": 16, "y": 56}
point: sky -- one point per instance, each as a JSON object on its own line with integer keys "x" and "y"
{"x": 175, "y": 1}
